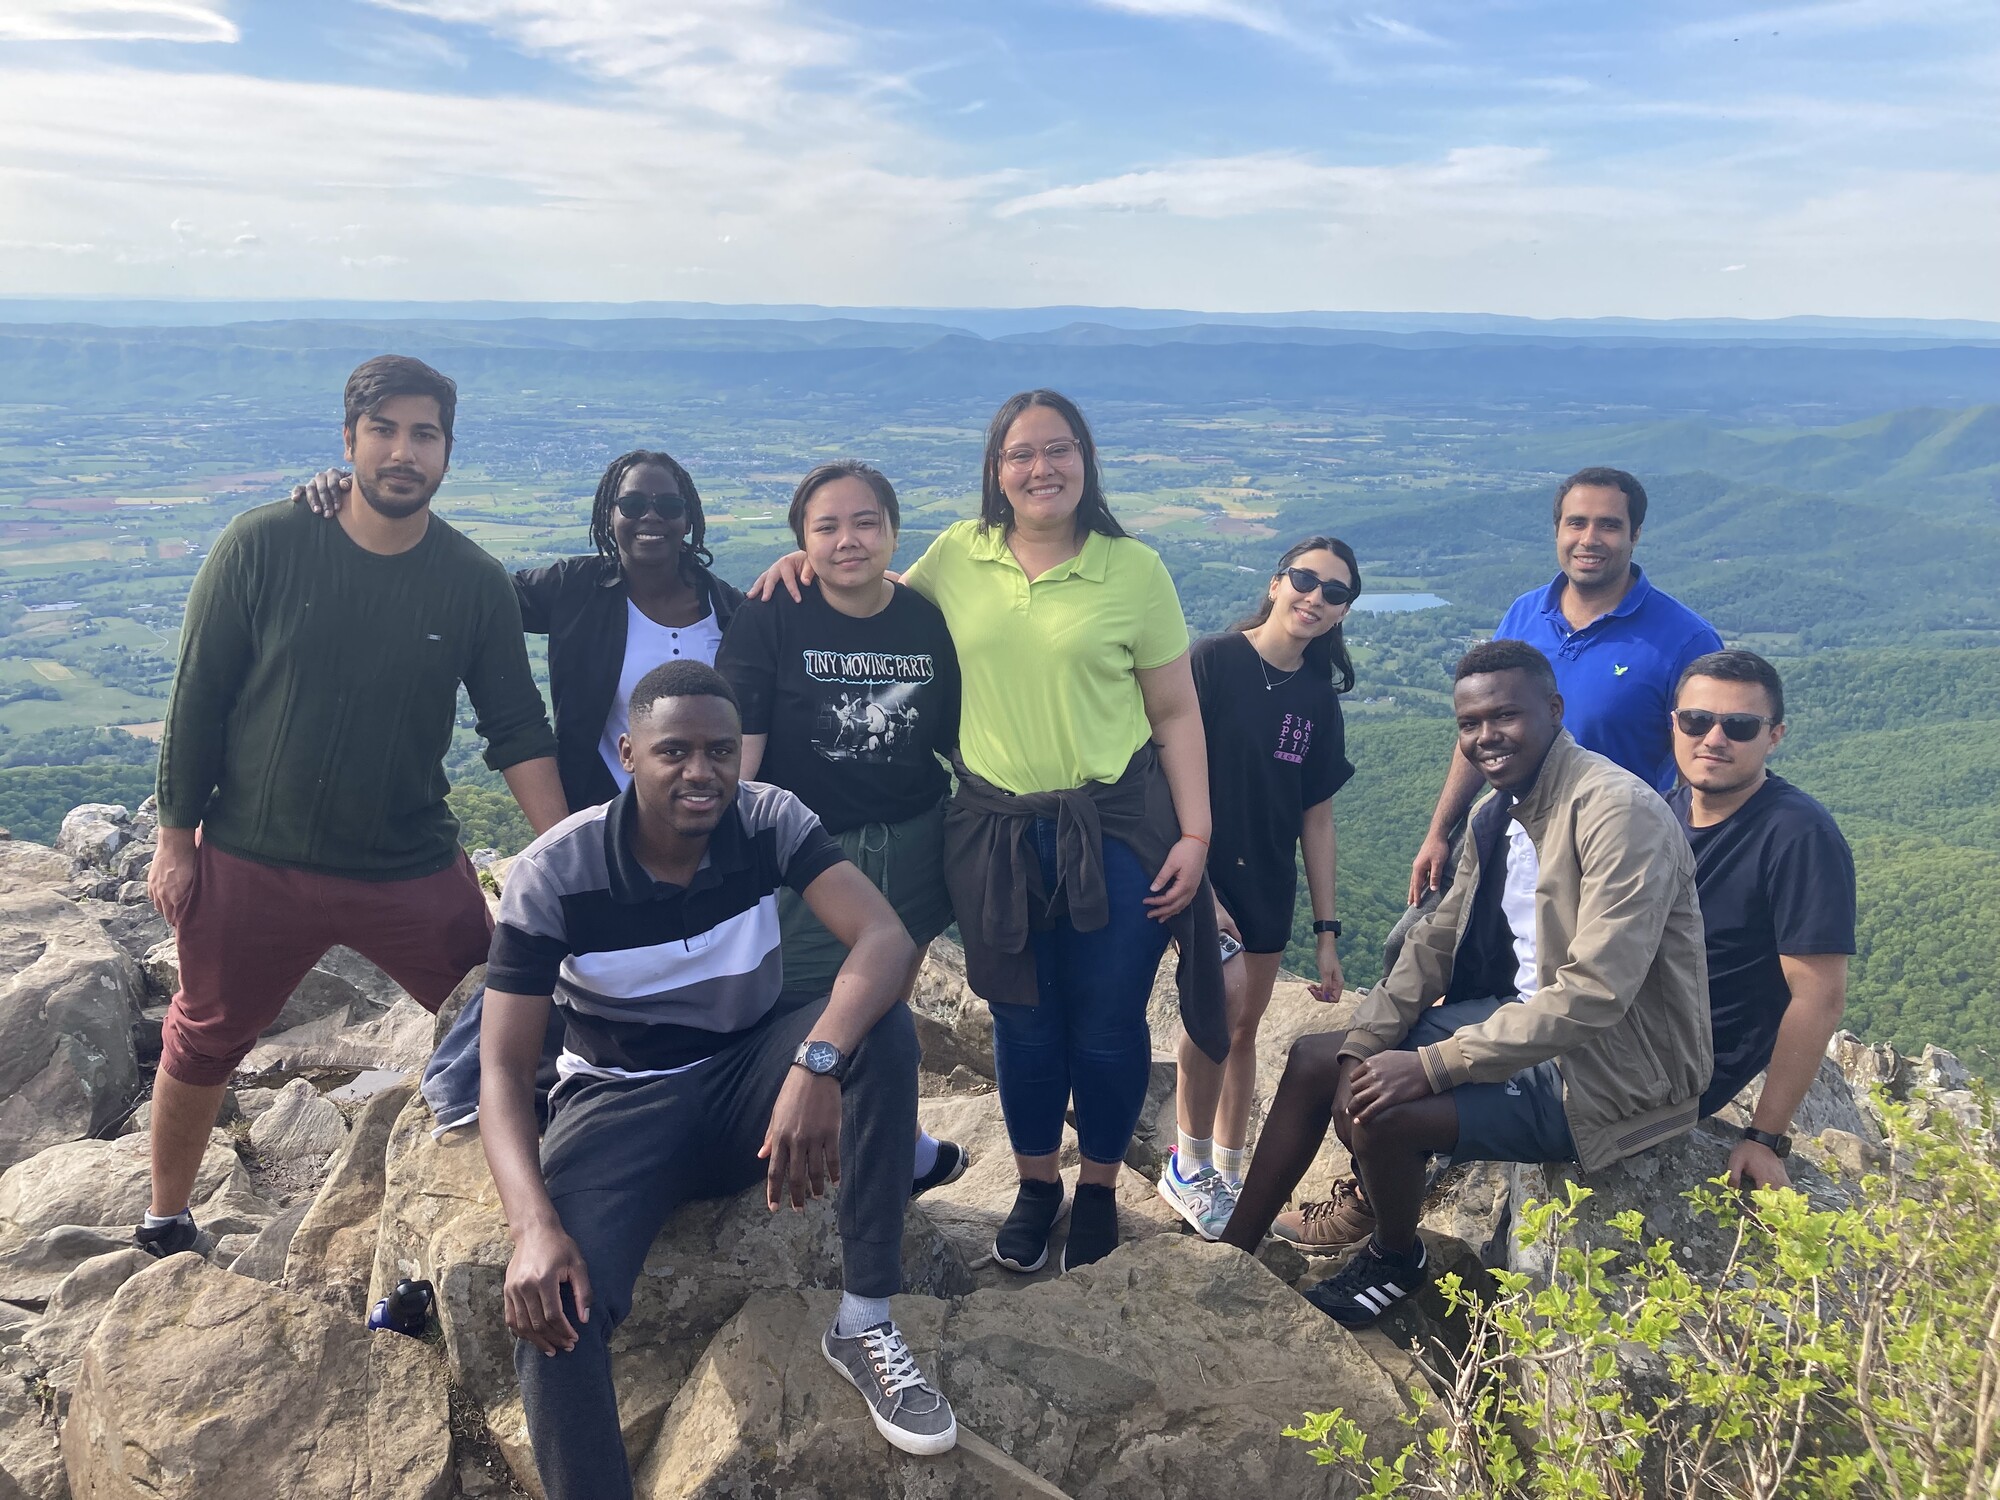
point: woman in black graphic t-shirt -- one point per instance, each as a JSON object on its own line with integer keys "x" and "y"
{"x": 1277, "y": 752}
{"x": 849, "y": 696}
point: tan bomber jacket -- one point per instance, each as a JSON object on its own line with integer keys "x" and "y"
{"x": 1621, "y": 964}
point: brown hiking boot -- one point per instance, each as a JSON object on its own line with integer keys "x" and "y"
{"x": 1329, "y": 1225}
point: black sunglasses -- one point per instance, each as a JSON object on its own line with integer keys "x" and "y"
{"x": 1331, "y": 590}
{"x": 1695, "y": 723}
{"x": 666, "y": 507}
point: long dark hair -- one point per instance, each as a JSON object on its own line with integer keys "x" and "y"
{"x": 1092, "y": 514}
{"x": 1326, "y": 653}
{"x": 694, "y": 556}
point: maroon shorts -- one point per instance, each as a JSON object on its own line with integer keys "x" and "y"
{"x": 251, "y": 932}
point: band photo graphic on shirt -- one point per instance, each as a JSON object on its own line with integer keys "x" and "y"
{"x": 867, "y": 709}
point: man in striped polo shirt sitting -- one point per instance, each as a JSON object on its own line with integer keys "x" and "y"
{"x": 687, "y": 1072}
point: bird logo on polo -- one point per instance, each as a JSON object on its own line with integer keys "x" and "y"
{"x": 1619, "y": 671}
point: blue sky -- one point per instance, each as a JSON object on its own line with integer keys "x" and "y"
{"x": 1539, "y": 157}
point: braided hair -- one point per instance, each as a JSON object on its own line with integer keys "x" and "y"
{"x": 694, "y": 556}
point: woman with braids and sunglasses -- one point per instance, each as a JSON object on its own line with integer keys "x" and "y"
{"x": 645, "y": 597}
{"x": 1270, "y": 690}
{"x": 1076, "y": 841}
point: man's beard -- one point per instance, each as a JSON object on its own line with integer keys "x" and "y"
{"x": 394, "y": 510}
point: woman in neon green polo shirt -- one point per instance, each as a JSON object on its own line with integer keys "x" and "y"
{"x": 1076, "y": 843}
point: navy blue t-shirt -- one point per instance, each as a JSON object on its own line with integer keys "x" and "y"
{"x": 1774, "y": 877}
{"x": 1617, "y": 674}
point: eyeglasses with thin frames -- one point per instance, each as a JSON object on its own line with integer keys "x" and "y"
{"x": 1060, "y": 454}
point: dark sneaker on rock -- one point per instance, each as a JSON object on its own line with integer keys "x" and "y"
{"x": 1329, "y": 1225}
{"x": 167, "y": 1239}
{"x": 1023, "y": 1241}
{"x": 1369, "y": 1285}
{"x": 952, "y": 1160}
{"x": 1093, "y": 1226}
{"x": 908, "y": 1410}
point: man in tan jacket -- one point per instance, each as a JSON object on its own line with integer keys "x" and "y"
{"x": 1553, "y": 1008}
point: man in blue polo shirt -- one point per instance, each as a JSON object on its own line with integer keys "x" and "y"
{"x": 1618, "y": 645}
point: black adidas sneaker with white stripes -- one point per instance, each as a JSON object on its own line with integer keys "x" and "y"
{"x": 1369, "y": 1285}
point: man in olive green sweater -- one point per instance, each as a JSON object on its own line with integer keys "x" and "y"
{"x": 301, "y": 784}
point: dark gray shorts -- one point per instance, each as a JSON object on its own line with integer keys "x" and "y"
{"x": 1519, "y": 1120}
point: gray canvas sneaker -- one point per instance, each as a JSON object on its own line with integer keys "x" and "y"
{"x": 908, "y": 1410}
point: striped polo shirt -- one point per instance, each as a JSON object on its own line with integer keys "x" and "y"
{"x": 652, "y": 977}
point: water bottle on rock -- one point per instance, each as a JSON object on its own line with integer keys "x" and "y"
{"x": 406, "y": 1310}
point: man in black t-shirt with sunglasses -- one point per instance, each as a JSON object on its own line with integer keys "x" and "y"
{"x": 1776, "y": 882}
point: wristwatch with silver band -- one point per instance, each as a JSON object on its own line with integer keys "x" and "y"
{"x": 822, "y": 1059}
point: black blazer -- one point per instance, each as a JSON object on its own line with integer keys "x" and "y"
{"x": 579, "y": 604}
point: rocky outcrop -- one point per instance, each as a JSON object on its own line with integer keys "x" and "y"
{"x": 67, "y": 1000}
{"x": 441, "y": 1222}
{"x": 300, "y": 1124}
{"x": 397, "y": 1039}
{"x": 74, "y": 1201}
{"x": 31, "y": 867}
{"x": 332, "y": 1254}
{"x": 198, "y": 1383}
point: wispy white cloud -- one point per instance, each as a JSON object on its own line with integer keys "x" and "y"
{"x": 732, "y": 57}
{"x": 114, "y": 21}
{"x": 1228, "y": 12}
{"x": 1228, "y": 187}
{"x": 46, "y": 247}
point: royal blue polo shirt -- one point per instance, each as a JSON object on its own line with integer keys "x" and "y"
{"x": 1617, "y": 674}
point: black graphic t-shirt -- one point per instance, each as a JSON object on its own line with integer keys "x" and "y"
{"x": 1276, "y": 746}
{"x": 857, "y": 711}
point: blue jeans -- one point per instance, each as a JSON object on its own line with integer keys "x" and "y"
{"x": 1088, "y": 1036}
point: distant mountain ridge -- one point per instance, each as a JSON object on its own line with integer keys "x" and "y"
{"x": 902, "y": 365}
{"x": 986, "y": 322}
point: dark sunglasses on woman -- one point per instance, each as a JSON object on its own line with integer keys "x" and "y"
{"x": 666, "y": 507}
{"x": 1331, "y": 590}
{"x": 1695, "y": 723}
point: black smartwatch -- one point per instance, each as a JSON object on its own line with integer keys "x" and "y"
{"x": 822, "y": 1059}
{"x": 1779, "y": 1146}
{"x": 1332, "y": 927}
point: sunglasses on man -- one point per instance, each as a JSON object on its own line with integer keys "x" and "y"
{"x": 1330, "y": 589}
{"x": 666, "y": 507}
{"x": 1695, "y": 723}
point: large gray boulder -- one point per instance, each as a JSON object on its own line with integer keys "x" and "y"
{"x": 71, "y": 1202}
{"x": 92, "y": 835}
{"x": 1164, "y": 1370}
{"x": 332, "y": 1254}
{"x": 31, "y": 867}
{"x": 199, "y": 1383}
{"x": 763, "y": 1413}
{"x": 441, "y": 1222}
{"x": 68, "y": 996}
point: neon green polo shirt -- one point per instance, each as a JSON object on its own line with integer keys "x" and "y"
{"x": 1051, "y": 699}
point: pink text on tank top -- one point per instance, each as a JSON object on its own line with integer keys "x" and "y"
{"x": 1295, "y": 735}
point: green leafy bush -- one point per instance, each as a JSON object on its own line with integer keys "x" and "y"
{"x": 1844, "y": 1353}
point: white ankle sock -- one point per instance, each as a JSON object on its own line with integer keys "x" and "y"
{"x": 857, "y": 1313}
{"x": 156, "y": 1221}
{"x": 1191, "y": 1155}
{"x": 1230, "y": 1162}
{"x": 927, "y": 1150}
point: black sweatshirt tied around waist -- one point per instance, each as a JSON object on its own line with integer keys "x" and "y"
{"x": 995, "y": 878}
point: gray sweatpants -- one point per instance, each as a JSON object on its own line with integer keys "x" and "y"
{"x": 621, "y": 1155}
